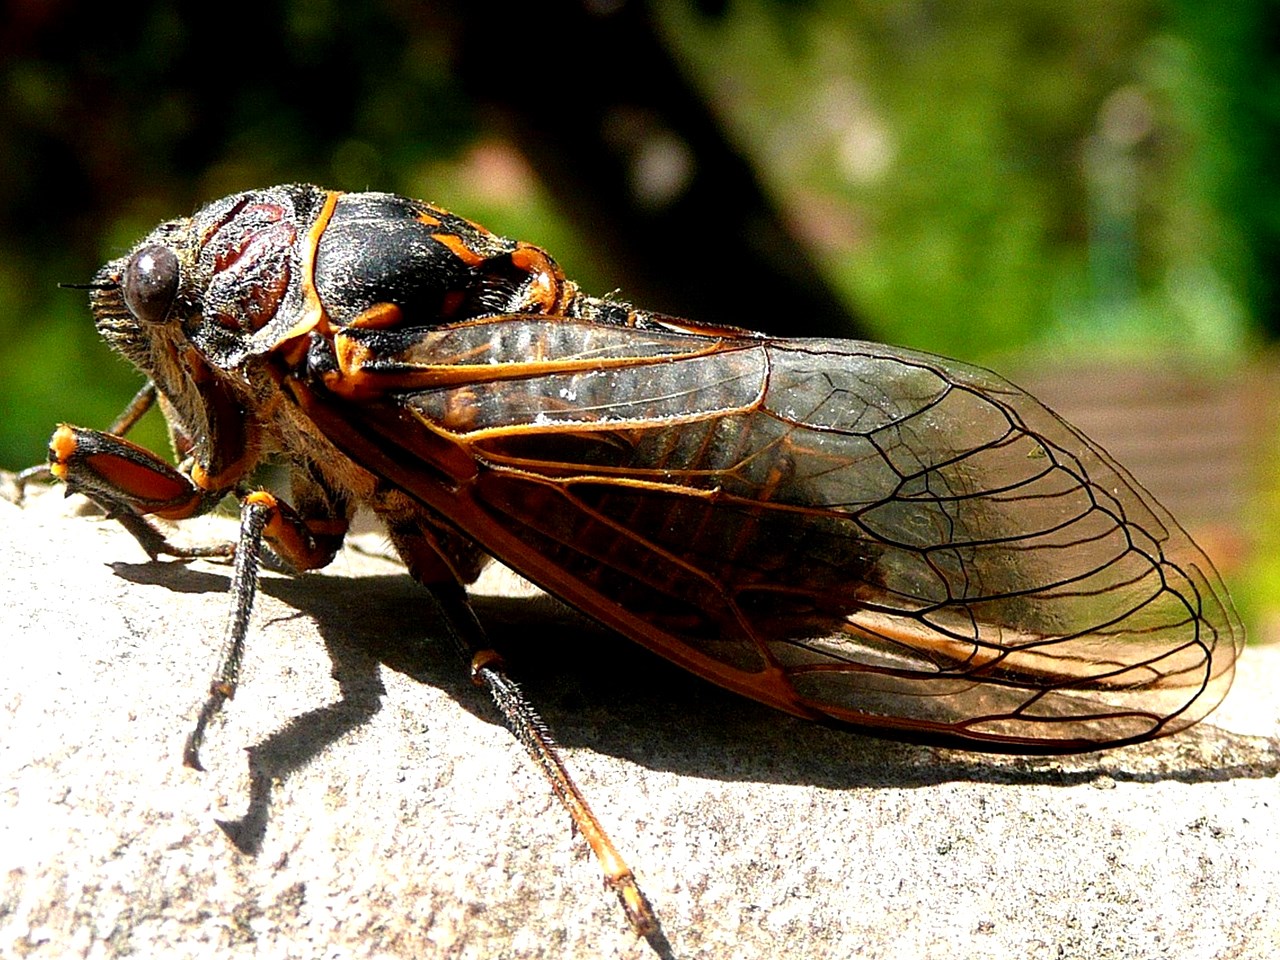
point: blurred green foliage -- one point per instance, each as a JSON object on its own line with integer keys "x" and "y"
{"x": 986, "y": 176}
{"x": 978, "y": 178}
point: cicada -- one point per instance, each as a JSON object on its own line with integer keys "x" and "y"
{"x": 850, "y": 532}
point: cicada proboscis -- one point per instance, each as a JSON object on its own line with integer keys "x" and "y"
{"x": 847, "y": 531}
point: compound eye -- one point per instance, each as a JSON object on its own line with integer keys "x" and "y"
{"x": 151, "y": 283}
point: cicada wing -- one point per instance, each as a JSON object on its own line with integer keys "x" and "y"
{"x": 1022, "y": 576}
{"x": 844, "y": 530}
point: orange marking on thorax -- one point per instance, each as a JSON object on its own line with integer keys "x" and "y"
{"x": 379, "y": 316}
{"x": 312, "y": 315}
{"x": 458, "y": 247}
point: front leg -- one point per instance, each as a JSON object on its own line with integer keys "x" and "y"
{"x": 130, "y": 483}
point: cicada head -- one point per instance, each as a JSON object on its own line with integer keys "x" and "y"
{"x": 212, "y": 281}
{"x": 197, "y": 298}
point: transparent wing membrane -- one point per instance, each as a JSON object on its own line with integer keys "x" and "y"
{"x": 847, "y": 530}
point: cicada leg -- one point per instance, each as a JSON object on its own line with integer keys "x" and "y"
{"x": 130, "y": 482}
{"x": 489, "y": 671}
{"x": 142, "y": 401}
{"x": 304, "y": 544}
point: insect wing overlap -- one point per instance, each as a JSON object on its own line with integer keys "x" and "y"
{"x": 843, "y": 529}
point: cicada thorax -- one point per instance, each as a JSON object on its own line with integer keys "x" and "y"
{"x": 433, "y": 267}
{"x": 250, "y": 261}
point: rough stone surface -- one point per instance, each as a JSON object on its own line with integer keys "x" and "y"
{"x": 362, "y": 801}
